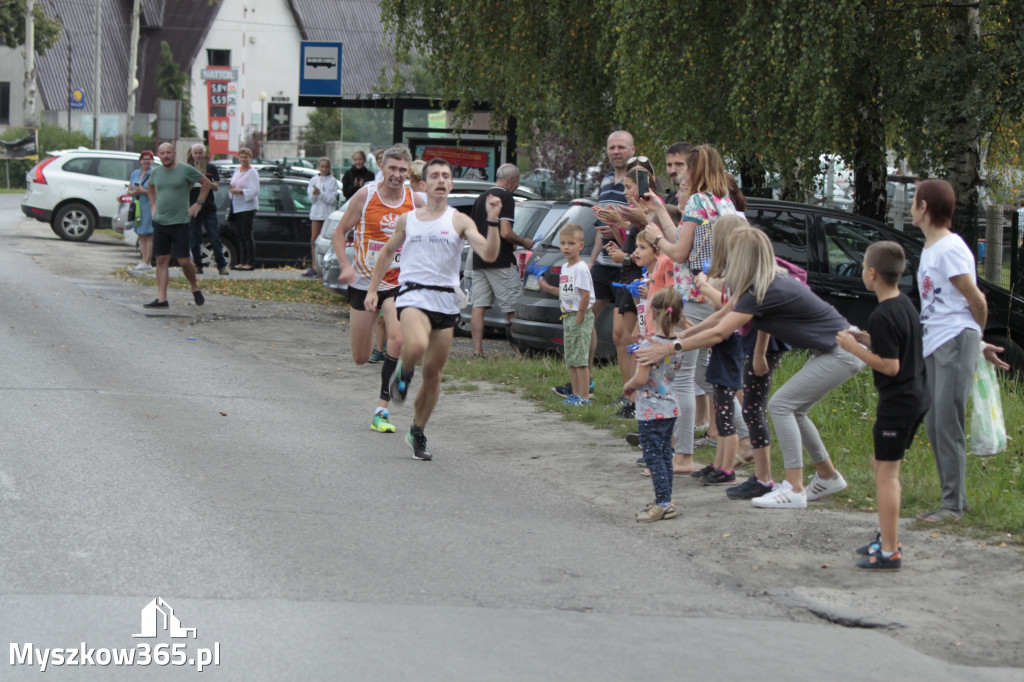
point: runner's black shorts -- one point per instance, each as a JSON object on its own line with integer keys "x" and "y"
{"x": 357, "y": 297}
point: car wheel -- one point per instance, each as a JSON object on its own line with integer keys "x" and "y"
{"x": 228, "y": 248}
{"x": 74, "y": 222}
{"x": 1013, "y": 353}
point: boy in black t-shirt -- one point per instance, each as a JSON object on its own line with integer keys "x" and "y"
{"x": 894, "y": 337}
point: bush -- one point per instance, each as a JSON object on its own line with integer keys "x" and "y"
{"x": 50, "y": 137}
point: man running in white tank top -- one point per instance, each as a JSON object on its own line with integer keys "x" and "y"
{"x": 431, "y": 240}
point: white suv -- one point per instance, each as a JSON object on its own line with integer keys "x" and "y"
{"x": 77, "y": 190}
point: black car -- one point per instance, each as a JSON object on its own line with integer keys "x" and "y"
{"x": 281, "y": 227}
{"x": 829, "y": 244}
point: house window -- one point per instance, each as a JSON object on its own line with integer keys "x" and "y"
{"x": 218, "y": 57}
{"x": 5, "y": 102}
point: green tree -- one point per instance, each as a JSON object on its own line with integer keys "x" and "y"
{"x": 12, "y": 26}
{"x": 964, "y": 83}
{"x": 775, "y": 86}
{"x": 173, "y": 83}
{"x": 544, "y": 63}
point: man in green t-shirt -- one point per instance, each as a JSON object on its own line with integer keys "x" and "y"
{"x": 171, "y": 182}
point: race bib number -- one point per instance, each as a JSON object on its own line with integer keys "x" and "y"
{"x": 567, "y": 289}
{"x": 373, "y": 249}
{"x": 567, "y": 292}
{"x": 641, "y": 317}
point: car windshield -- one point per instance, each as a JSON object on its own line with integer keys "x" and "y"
{"x": 581, "y": 214}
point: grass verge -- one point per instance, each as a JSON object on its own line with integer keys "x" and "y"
{"x": 844, "y": 419}
{"x": 283, "y": 290}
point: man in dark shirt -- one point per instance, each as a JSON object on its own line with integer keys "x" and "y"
{"x": 500, "y": 280}
{"x": 207, "y": 214}
{"x": 356, "y": 176}
{"x": 675, "y": 164}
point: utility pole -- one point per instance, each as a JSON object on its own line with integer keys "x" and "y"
{"x": 69, "y": 83}
{"x": 97, "y": 93}
{"x": 30, "y": 63}
{"x": 133, "y": 87}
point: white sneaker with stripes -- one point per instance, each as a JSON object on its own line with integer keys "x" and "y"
{"x": 783, "y": 497}
{"x": 818, "y": 488}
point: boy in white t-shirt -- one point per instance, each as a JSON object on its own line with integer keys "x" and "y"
{"x": 575, "y": 293}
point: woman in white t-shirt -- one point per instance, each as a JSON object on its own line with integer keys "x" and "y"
{"x": 953, "y": 315}
{"x": 244, "y": 189}
{"x": 323, "y": 197}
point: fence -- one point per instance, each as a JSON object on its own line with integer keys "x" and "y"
{"x": 1001, "y": 253}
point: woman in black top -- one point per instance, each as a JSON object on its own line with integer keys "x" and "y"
{"x": 356, "y": 176}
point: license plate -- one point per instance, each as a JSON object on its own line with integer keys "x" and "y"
{"x": 532, "y": 283}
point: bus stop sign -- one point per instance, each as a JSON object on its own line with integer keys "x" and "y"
{"x": 320, "y": 74}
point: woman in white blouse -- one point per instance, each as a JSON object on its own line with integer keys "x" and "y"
{"x": 244, "y": 189}
{"x": 323, "y": 195}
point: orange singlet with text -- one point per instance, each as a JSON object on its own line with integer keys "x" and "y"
{"x": 375, "y": 229}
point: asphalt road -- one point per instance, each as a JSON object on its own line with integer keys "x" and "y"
{"x": 142, "y": 457}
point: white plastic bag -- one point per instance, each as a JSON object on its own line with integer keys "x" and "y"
{"x": 988, "y": 430}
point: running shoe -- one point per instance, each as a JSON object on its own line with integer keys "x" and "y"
{"x": 654, "y": 512}
{"x": 633, "y": 439}
{"x": 576, "y": 401}
{"x": 699, "y": 473}
{"x": 565, "y": 390}
{"x": 940, "y": 515}
{"x": 398, "y": 387}
{"x": 875, "y": 546}
{"x": 718, "y": 477}
{"x": 310, "y": 273}
{"x": 381, "y": 423}
{"x": 783, "y": 497}
{"x": 377, "y": 356}
{"x": 418, "y": 442}
{"x": 818, "y": 488}
{"x": 748, "y": 490}
{"x": 880, "y": 563}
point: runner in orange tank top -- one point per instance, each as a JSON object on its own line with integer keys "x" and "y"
{"x": 373, "y": 212}
{"x": 375, "y": 229}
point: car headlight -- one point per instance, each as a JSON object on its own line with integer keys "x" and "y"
{"x": 330, "y": 258}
